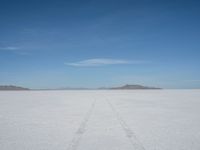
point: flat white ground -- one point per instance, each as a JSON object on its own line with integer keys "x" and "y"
{"x": 100, "y": 120}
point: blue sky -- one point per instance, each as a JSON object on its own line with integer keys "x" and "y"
{"x": 94, "y": 43}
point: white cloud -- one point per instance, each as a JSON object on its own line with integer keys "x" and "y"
{"x": 15, "y": 50}
{"x": 101, "y": 62}
{"x": 9, "y": 48}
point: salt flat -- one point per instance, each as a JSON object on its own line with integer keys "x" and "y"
{"x": 100, "y": 120}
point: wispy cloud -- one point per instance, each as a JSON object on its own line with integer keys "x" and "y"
{"x": 102, "y": 62}
{"x": 9, "y": 48}
{"x": 16, "y": 50}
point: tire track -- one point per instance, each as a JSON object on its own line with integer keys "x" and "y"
{"x": 129, "y": 133}
{"x": 81, "y": 130}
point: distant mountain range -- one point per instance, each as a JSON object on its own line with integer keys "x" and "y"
{"x": 125, "y": 87}
{"x": 11, "y": 88}
{"x": 133, "y": 87}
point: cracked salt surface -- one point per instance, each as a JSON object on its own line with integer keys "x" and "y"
{"x": 100, "y": 120}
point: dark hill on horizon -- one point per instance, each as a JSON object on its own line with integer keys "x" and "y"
{"x": 133, "y": 87}
{"x": 12, "y": 88}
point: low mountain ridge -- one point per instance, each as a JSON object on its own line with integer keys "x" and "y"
{"x": 133, "y": 87}
{"x": 125, "y": 87}
{"x": 11, "y": 88}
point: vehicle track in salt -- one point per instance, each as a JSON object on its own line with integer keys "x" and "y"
{"x": 81, "y": 130}
{"x": 137, "y": 145}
